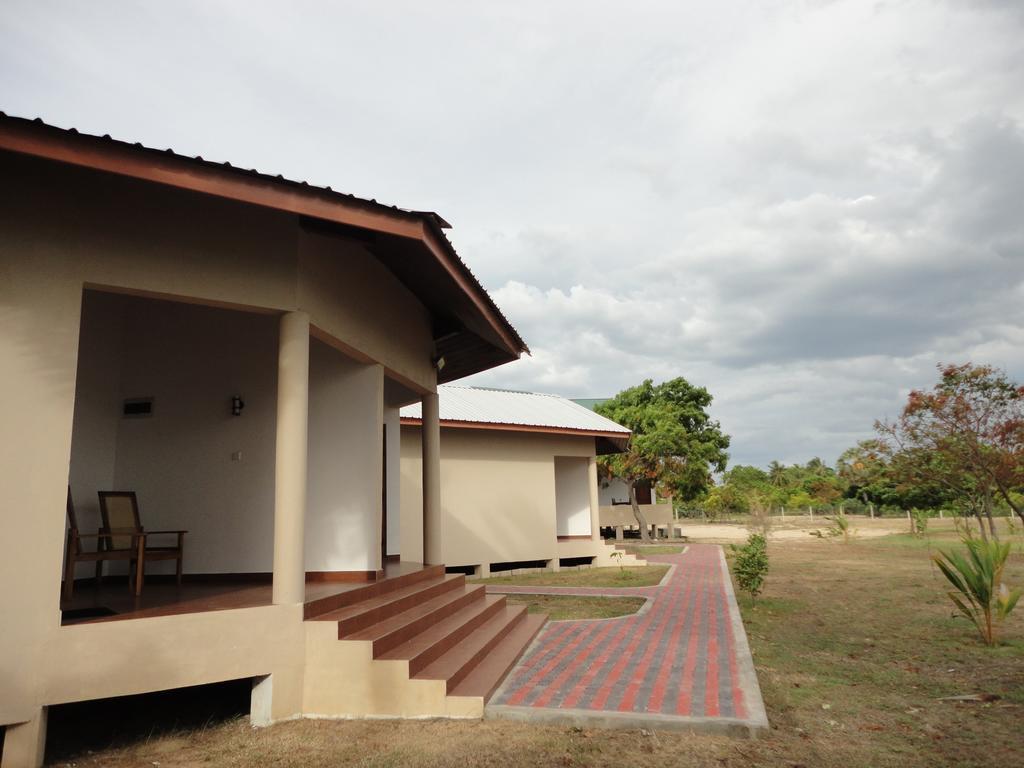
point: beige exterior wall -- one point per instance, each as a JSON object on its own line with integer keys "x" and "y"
{"x": 622, "y": 514}
{"x": 63, "y": 230}
{"x": 497, "y": 493}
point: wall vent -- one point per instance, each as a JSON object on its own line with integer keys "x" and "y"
{"x": 138, "y": 407}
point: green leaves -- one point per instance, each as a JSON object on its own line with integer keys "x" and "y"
{"x": 674, "y": 443}
{"x": 751, "y": 564}
{"x": 977, "y": 576}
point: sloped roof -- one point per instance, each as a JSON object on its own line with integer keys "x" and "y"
{"x": 509, "y": 409}
{"x": 473, "y": 334}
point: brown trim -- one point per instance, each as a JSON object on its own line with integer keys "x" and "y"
{"x": 392, "y": 558}
{"x": 347, "y": 577}
{"x": 38, "y": 139}
{"x": 197, "y": 175}
{"x": 588, "y": 537}
{"x": 444, "y": 257}
{"x": 189, "y": 578}
{"x": 413, "y": 422}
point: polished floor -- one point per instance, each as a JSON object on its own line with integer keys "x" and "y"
{"x": 113, "y": 600}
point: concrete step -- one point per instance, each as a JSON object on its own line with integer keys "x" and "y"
{"x": 432, "y": 643}
{"x": 455, "y": 664}
{"x": 486, "y": 676}
{"x": 364, "y": 614}
{"x": 314, "y": 609}
{"x": 390, "y": 633}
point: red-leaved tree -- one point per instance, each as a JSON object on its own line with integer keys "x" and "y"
{"x": 967, "y": 432}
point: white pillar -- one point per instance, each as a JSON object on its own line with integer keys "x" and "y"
{"x": 25, "y": 743}
{"x": 595, "y": 504}
{"x": 431, "y": 435}
{"x": 290, "y": 460}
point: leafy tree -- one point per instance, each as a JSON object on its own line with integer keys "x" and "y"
{"x": 725, "y": 499}
{"x": 675, "y": 443}
{"x": 966, "y": 434}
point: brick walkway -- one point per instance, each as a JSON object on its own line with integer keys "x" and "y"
{"x": 683, "y": 663}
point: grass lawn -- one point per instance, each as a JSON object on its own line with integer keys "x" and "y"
{"x": 559, "y": 607}
{"x": 854, "y": 646}
{"x": 637, "y": 576}
{"x": 653, "y": 549}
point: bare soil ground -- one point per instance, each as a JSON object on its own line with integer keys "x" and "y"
{"x": 855, "y": 647}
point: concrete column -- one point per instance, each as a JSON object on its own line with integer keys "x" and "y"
{"x": 25, "y": 743}
{"x": 619, "y": 535}
{"x": 431, "y": 435}
{"x": 595, "y": 504}
{"x": 290, "y": 460}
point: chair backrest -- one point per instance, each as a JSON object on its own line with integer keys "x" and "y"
{"x": 120, "y": 511}
{"x": 73, "y": 523}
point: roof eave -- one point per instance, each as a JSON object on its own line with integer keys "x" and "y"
{"x": 38, "y": 139}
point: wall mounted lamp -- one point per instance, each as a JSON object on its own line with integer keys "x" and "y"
{"x": 438, "y": 363}
{"x": 237, "y": 404}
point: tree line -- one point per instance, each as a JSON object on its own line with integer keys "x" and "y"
{"x": 958, "y": 446}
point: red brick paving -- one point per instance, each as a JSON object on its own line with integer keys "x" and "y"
{"x": 678, "y": 658}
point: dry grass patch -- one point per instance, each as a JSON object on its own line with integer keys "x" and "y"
{"x": 559, "y": 607}
{"x": 642, "y": 550}
{"x": 627, "y": 576}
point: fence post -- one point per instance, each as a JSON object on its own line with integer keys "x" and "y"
{"x": 783, "y": 512}
{"x": 811, "y": 510}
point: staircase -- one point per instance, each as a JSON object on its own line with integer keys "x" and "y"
{"x": 421, "y": 644}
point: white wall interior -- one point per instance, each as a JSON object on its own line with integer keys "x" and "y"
{"x": 192, "y": 463}
{"x": 343, "y": 504}
{"x": 572, "y": 496}
{"x": 616, "y": 492}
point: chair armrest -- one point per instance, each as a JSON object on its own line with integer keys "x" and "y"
{"x": 154, "y": 533}
{"x": 102, "y": 535}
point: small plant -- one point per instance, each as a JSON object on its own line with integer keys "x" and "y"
{"x": 750, "y": 565}
{"x": 977, "y": 575}
{"x": 918, "y": 521}
{"x": 840, "y": 528}
{"x": 617, "y": 555}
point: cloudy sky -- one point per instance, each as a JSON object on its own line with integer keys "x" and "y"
{"x": 802, "y": 206}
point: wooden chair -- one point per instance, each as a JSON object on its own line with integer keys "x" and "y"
{"x": 75, "y": 554}
{"x": 122, "y": 531}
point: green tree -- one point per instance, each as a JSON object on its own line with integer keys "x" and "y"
{"x": 675, "y": 443}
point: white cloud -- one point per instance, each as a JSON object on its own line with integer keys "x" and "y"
{"x": 801, "y": 205}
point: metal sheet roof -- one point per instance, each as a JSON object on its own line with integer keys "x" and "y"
{"x": 483, "y": 405}
{"x": 432, "y": 220}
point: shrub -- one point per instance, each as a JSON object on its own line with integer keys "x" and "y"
{"x": 750, "y": 565}
{"x": 977, "y": 575}
{"x": 840, "y": 528}
{"x": 918, "y": 521}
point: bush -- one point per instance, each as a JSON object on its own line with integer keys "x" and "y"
{"x": 750, "y": 565}
{"x": 855, "y": 507}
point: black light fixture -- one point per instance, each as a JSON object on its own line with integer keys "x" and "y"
{"x": 237, "y": 404}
